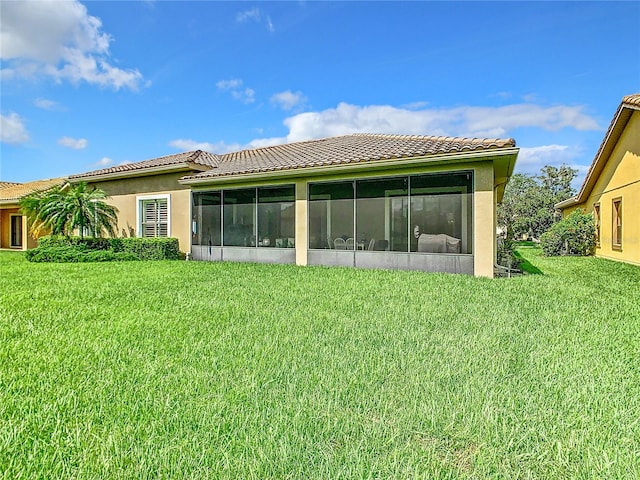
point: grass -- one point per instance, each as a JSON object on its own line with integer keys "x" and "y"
{"x": 215, "y": 370}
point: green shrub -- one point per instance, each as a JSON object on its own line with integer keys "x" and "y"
{"x": 90, "y": 243}
{"x": 573, "y": 235}
{"x": 75, "y": 254}
{"x": 60, "y": 248}
{"x": 506, "y": 254}
{"x": 150, "y": 248}
{"x": 59, "y": 254}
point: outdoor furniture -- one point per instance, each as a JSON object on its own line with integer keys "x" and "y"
{"x": 381, "y": 245}
{"x": 340, "y": 244}
{"x": 350, "y": 244}
{"x": 440, "y": 243}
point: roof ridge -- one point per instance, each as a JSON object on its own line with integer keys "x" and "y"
{"x": 631, "y": 100}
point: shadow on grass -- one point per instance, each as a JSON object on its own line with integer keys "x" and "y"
{"x": 527, "y": 266}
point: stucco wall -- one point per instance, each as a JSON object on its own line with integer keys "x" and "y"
{"x": 620, "y": 178}
{"x": 5, "y": 230}
{"x": 124, "y": 195}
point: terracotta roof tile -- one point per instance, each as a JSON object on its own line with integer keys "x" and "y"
{"x": 356, "y": 148}
{"x": 19, "y": 190}
{"x": 632, "y": 100}
{"x": 197, "y": 157}
{"x": 7, "y": 184}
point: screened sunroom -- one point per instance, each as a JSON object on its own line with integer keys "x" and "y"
{"x": 372, "y": 201}
{"x": 402, "y": 221}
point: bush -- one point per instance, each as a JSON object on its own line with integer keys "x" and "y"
{"x": 59, "y": 248}
{"x": 75, "y": 254}
{"x": 90, "y": 243}
{"x": 573, "y": 235}
{"x": 149, "y": 248}
{"x": 506, "y": 254}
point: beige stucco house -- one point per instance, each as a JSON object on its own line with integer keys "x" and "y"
{"x": 14, "y": 228}
{"x": 364, "y": 200}
{"x": 611, "y": 189}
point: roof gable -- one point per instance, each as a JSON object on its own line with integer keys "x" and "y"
{"x": 629, "y": 104}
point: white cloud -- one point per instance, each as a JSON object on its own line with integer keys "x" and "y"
{"x": 12, "y": 129}
{"x": 104, "y": 162}
{"x": 466, "y": 121}
{"x": 231, "y": 84}
{"x": 61, "y": 40}
{"x": 247, "y": 15}
{"x": 189, "y": 145}
{"x": 75, "y": 143}
{"x": 234, "y": 85}
{"x": 287, "y": 100}
{"x": 45, "y": 104}
{"x": 255, "y": 15}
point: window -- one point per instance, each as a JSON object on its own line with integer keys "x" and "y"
{"x": 382, "y": 209}
{"x": 276, "y": 216}
{"x": 247, "y": 217}
{"x": 431, "y": 213}
{"x": 441, "y": 213}
{"x": 206, "y": 227}
{"x": 239, "y": 220}
{"x": 153, "y": 216}
{"x": 617, "y": 224}
{"x": 331, "y": 215}
{"x": 596, "y": 220}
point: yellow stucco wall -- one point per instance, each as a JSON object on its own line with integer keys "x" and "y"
{"x": 5, "y": 229}
{"x": 125, "y": 193}
{"x": 620, "y": 178}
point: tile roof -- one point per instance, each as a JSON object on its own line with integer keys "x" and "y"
{"x": 185, "y": 159}
{"x": 347, "y": 149}
{"x": 7, "y": 184}
{"x": 17, "y": 191}
{"x": 628, "y": 105}
{"x": 632, "y": 100}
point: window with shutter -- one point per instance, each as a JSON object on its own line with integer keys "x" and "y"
{"x": 154, "y": 218}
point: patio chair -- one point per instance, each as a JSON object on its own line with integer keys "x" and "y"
{"x": 340, "y": 244}
{"x": 350, "y": 244}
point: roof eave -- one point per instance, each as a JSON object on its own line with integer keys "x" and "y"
{"x": 143, "y": 172}
{"x": 569, "y": 202}
{"x": 510, "y": 153}
{"x": 617, "y": 126}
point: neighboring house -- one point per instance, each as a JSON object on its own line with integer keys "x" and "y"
{"x": 364, "y": 200}
{"x": 14, "y": 228}
{"x": 611, "y": 189}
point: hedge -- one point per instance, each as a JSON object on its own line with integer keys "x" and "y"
{"x": 58, "y": 248}
{"x": 75, "y": 254}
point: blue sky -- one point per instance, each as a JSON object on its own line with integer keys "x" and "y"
{"x": 96, "y": 84}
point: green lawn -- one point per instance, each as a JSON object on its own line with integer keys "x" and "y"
{"x": 210, "y": 370}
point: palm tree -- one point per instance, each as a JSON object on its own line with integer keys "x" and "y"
{"x": 63, "y": 209}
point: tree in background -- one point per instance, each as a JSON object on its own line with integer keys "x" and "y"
{"x": 528, "y": 204}
{"x": 63, "y": 209}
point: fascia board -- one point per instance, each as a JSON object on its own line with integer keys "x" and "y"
{"x": 619, "y": 123}
{"x": 509, "y": 154}
{"x": 136, "y": 173}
